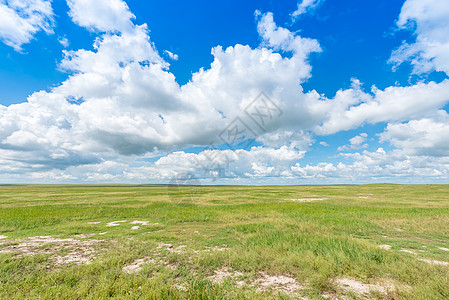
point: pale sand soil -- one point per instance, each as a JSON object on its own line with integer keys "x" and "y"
{"x": 79, "y": 251}
{"x": 306, "y": 199}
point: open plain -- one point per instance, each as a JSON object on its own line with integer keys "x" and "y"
{"x": 224, "y": 242}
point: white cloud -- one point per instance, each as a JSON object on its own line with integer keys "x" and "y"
{"x": 101, "y": 15}
{"x": 356, "y": 142}
{"x": 128, "y": 103}
{"x": 280, "y": 38}
{"x": 121, "y": 102}
{"x": 20, "y": 20}
{"x": 298, "y": 139}
{"x": 352, "y": 108}
{"x": 377, "y": 166}
{"x": 303, "y": 7}
{"x": 429, "y": 20}
{"x": 427, "y": 136}
{"x": 256, "y": 162}
{"x": 63, "y": 41}
{"x": 172, "y": 55}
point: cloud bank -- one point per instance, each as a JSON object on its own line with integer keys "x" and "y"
{"x": 121, "y": 116}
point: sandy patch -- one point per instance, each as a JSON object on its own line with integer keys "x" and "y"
{"x": 93, "y": 223}
{"x": 362, "y": 288}
{"x": 434, "y": 262}
{"x": 278, "y": 283}
{"x": 221, "y": 275}
{"x": 386, "y": 247}
{"x": 135, "y": 227}
{"x": 429, "y": 261}
{"x": 441, "y": 248}
{"x": 103, "y": 233}
{"x": 77, "y": 256}
{"x": 115, "y": 223}
{"x": 80, "y": 252}
{"x": 170, "y": 248}
{"x": 306, "y": 199}
{"x": 263, "y": 282}
{"x": 2, "y": 237}
{"x": 144, "y": 223}
{"x": 83, "y": 236}
{"x": 136, "y": 266}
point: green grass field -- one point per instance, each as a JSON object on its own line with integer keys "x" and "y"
{"x": 224, "y": 242}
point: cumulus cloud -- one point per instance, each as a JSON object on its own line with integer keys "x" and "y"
{"x": 377, "y": 166}
{"x": 120, "y": 98}
{"x": 256, "y": 162}
{"x": 352, "y": 108}
{"x": 426, "y": 136}
{"x": 101, "y": 15}
{"x": 356, "y": 142}
{"x": 280, "y": 38}
{"x": 121, "y": 102}
{"x": 429, "y": 21}
{"x": 20, "y": 20}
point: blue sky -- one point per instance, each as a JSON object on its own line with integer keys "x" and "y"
{"x": 146, "y": 91}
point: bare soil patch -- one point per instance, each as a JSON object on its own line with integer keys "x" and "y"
{"x": 221, "y": 275}
{"x": 434, "y": 262}
{"x": 278, "y": 283}
{"x": 79, "y": 251}
{"x": 386, "y": 247}
{"x": 143, "y": 223}
{"x": 136, "y": 266}
{"x": 363, "y": 289}
{"x": 114, "y": 223}
{"x": 307, "y": 199}
{"x": 429, "y": 261}
{"x": 263, "y": 282}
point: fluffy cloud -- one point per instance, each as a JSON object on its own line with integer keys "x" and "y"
{"x": 101, "y": 15}
{"x": 122, "y": 100}
{"x": 21, "y": 19}
{"x": 352, "y": 108}
{"x": 377, "y": 166}
{"x": 260, "y": 165}
{"x": 427, "y": 136}
{"x": 356, "y": 142}
{"x": 121, "y": 103}
{"x": 430, "y": 22}
{"x": 280, "y": 38}
{"x": 256, "y": 162}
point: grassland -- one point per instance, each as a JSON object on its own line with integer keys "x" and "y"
{"x": 228, "y": 242}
